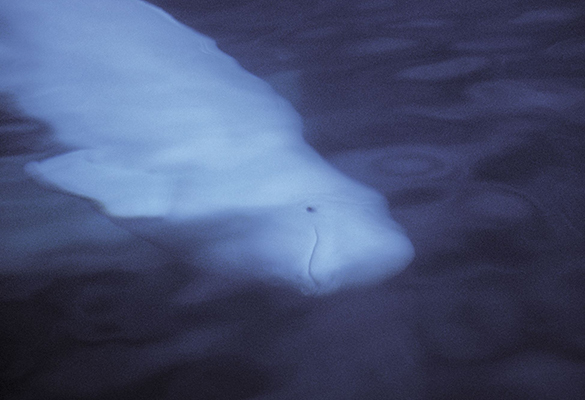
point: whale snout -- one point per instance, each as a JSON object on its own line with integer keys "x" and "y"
{"x": 322, "y": 247}
{"x": 319, "y": 248}
{"x": 359, "y": 258}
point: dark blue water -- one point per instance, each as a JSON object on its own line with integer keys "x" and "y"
{"x": 469, "y": 116}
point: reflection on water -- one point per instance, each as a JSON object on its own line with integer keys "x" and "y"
{"x": 467, "y": 116}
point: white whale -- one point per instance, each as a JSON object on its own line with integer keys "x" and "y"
{"x": 178, "y": 143}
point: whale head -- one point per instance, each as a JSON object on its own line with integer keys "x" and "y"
{"x": 331, "y": 233}
{"x": 322, "y": 245}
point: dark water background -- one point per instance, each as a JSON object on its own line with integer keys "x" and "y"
{"x": 468, "y": 115}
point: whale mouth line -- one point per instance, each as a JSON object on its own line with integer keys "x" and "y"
{"x": 310, "y": 270}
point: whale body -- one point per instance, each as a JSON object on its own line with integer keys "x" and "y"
{"x": 175, "y": 141}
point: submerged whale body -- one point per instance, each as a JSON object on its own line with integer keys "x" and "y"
{"x": 178, "y": 143}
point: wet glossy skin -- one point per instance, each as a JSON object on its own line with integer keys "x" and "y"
{"x": 167, "y": 130}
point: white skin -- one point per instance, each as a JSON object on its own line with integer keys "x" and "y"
{"x": 168, "y": 133}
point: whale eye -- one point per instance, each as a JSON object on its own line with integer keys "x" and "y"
{"x": 310, "y": 209}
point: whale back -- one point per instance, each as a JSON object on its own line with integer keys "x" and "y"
{"x": 125, "y": 74}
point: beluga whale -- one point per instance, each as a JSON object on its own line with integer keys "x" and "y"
{"x": 175, "y": 141}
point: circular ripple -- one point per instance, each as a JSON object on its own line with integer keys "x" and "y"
{"x": 519, "y": 220}
{"x": 392, "y": 169}
{"x": 21, "y": 137}
{"x": 498, "y": 207}
{"x": 411, "y": 165}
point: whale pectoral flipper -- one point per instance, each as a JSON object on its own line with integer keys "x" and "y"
{"x": 119, "y": 190}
